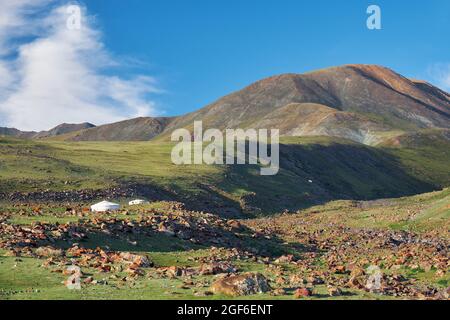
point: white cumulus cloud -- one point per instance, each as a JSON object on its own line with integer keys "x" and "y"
{"x": 50, "y": 74}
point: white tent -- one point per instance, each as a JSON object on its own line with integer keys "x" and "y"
{"x": 105, "y": 206}
{"x": 137, "y": 202}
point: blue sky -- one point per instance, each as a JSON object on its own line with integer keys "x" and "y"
{"x": 201, "y": 50}
{"x": 169, "y": 57}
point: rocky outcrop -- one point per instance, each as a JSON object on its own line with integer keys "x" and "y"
{"x": 241, "y": 285}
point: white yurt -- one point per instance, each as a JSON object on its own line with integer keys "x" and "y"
{"x": 137, "y": 202}
{"x": 105, "y": 206}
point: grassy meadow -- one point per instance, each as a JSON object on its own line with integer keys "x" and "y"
{"x": 314, "y": 170}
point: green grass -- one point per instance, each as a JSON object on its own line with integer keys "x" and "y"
{"x": 338, "y": 168}
{"x": 422, "y": 213}
{"x": 26, "y": 279}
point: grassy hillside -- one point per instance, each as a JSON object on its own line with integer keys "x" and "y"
{"x": 29, "y": 166}
{"x": 357, "y": 102}
{"x": 425, "y": 154}
{"x": 313, "y": 170}
{"x": 321, "y": 237}
{"x": 424, "y": 213}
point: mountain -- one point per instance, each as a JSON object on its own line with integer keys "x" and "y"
{"x": 63, "y": 129}
{"x": 363, "y": 103}
{"x": 359, "y": 102}
{"x": 139, "y": 129}
{"x": 365, "y": 132}
{"x": 12, "y": 132}
{"x": 56, "y": 131}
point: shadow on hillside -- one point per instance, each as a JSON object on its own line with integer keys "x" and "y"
{"x": 146, "y": 239}
{"x": 315, "y": 174}
{"x": 310, "y": 174}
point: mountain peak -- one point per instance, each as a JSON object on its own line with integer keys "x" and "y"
{"x": 63, "y": 128}
{"x": 365, "y": 98}
{"x": 362, "y": 102}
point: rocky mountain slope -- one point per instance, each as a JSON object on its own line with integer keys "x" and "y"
{"x": 363, "y": 103}
{"x": 12, "y": 132}
{"x": 139, "y": 129}
{"x": 359, "y": 102}
{"x": 56, "y": 131}
{"x": 63, "y": 129}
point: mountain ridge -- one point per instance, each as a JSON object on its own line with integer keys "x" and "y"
{"x": 389, "y": 101}
{"x": 363, "y": 103}
{"x": 61, "y": 129}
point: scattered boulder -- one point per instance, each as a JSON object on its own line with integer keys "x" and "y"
{"x": 278, "y": 292}
{"x": 172, "y": 272}
{"x": 312, "y": 280}
{"x": 340, "y": 270}
{"x": 447, "y": 293}
{"x": 297, "y": 280}
{"x": 88, "y": 280}
{"x": 48, "y": 252}
{"x": 356, "y": 283}
{"x": 241, "y": 285}
{"x": 334, "y": 291}
{"x": 285, "y": 259}
{"x": 137, "y": 260}
{"x": 166, "y": 230}
{"x": 234, "y": 224}
{"x": 302, "y": 293}
{"x": 217, "y": 268}
{"x": 357, "y": 272}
